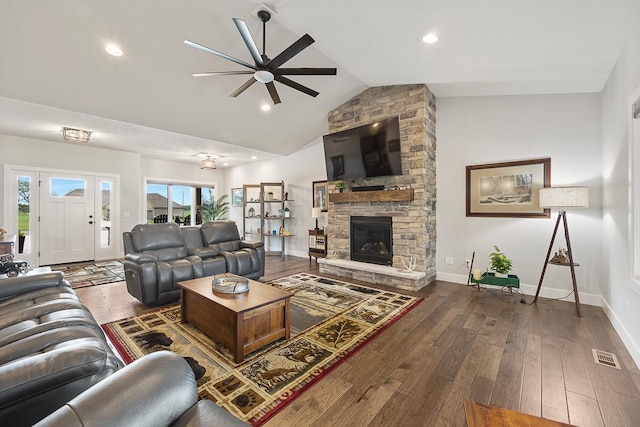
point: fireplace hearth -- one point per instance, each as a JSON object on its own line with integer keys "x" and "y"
{"x": 371, "y": 239}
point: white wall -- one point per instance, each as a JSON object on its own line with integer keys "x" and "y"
{"x": 298, "y": 171}
{"x": 479, "y": 130}
{"x": 621, "y": 293}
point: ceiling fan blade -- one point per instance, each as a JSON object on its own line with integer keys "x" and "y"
{"x": 219, "y": 54}
{"x": 306, "y": 71}
{"x": 248, "y": 40}
{"x": 243, "y": 87}
{"x": 296, "y": 86}
{"x": 220, "y": 73}
{"x": 273, "y": 92}
{"x": 297, "y": 47}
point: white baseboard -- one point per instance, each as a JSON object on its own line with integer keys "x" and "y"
{"x": 628, "y": 342}
{"x": 545, "y": 292}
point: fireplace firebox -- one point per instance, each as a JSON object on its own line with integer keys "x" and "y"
{"x": 371, "y": 239}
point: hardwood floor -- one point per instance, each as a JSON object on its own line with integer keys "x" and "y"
{"x": 458, "y": 344}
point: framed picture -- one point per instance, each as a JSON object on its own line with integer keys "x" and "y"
{"x": 236, "y": 197}
{"x": 508, "y": 189}
{"x": 320, "y": 193}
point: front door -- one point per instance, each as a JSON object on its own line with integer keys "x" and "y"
{"x": 67, "y": 218}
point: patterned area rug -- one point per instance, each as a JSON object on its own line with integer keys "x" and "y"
{"x": 82, "y": 275}
{"x": 330, "y": 320}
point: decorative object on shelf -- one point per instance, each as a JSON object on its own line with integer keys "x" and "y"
{"x": 270, "y": 196}
{"x": 316, "y": 213}
{"x": 236, "y": 197}
{"x": 508, "y": 189}
{"x": 286, "y": 196}
{"x": 499, "y": 262}
{"x": 252, "y": 212}
{"x": 340, "y": 186}
{"x": 560, "y": 257}
{"x": 274, "y": 232}
{"x": 408, "y": 267}
{"x": 280, "y": 213}
{"x": 562, "y": 198}
{"x": 287, "y": 213}
{"x": 285, "y": 232}
{"x": 477, "y": 274}
{"x": 319, "y": 192}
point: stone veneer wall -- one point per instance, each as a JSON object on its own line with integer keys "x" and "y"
{"x": 414, "y": 223}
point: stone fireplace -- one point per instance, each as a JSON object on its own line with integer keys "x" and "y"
{"x": 412, "y": 213}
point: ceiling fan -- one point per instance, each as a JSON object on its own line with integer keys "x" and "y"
{"x": 266, "y": 70}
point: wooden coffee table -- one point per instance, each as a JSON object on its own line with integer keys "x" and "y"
{"x": 241, "y": 322}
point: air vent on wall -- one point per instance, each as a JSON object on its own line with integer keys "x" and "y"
{"x": 605, "y": 358}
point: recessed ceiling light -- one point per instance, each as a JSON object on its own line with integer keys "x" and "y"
{"x": 113, "y": 49}
{"x": 254, "y": 157}
{"x": 430, "y": 38}
{"x": 265, "y": 107}
{"x": 225, "y": 164}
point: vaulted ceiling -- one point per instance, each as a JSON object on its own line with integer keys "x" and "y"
{"x": 55, "y": 72}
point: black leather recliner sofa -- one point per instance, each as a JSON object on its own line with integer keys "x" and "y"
{"x": 51, "y": 348}
{"x": 157, "y": 256}
{"x": 158, "y": 390}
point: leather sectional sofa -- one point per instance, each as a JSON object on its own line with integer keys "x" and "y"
{"x": 51, "y": 348}
{"x": 158, "y": 390}
{"x": 157, "y": 256}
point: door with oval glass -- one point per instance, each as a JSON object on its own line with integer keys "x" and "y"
{"x": 67, "y": 223}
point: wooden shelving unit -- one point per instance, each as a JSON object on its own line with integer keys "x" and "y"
{"x": 265, "y": 210}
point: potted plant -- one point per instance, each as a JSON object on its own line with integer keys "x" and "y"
{"x": 500, "y": 263}
{"x": 340, "y": 186}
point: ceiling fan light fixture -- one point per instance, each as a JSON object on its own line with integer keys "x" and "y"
{"x": 76, "y": 135}
{"x": 263, "y": 76}
{"x": 265, "y": 107}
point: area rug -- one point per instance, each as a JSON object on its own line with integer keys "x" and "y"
{"x": 330, "y": 321}
{"x": 84, "y": 274}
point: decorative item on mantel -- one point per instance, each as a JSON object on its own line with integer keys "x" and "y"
{"x": 3, "y": 231}
{"x": 340, "y": 186}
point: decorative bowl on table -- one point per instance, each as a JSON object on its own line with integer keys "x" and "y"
{"x": 230, "y": 285}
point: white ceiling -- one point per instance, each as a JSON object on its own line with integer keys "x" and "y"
{"x": 54, "y": 71}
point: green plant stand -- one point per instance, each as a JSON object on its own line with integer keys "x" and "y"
{"x": 510, "y": 281}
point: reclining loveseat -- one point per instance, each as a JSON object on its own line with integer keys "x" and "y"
{"x": 51, "y": 348}
{"x": 157, "y": 256}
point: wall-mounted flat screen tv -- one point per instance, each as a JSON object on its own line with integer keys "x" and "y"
{"x": 364, "y": 152}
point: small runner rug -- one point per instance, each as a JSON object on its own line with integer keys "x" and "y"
{"x": 330, "y": 320}
{"x": 84, "y": 274}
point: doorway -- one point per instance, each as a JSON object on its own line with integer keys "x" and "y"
{"x": 61, "y": 216}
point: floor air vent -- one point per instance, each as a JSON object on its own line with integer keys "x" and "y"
{"x": 605, "y": 358}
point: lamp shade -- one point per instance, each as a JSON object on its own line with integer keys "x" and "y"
{"x": 564, "y": 197}
{"x": 316, "y": 212}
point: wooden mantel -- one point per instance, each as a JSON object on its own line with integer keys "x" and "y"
{"x": 372, "y": 196}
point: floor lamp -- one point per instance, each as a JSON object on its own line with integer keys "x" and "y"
{"x": 562, "y": 198}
